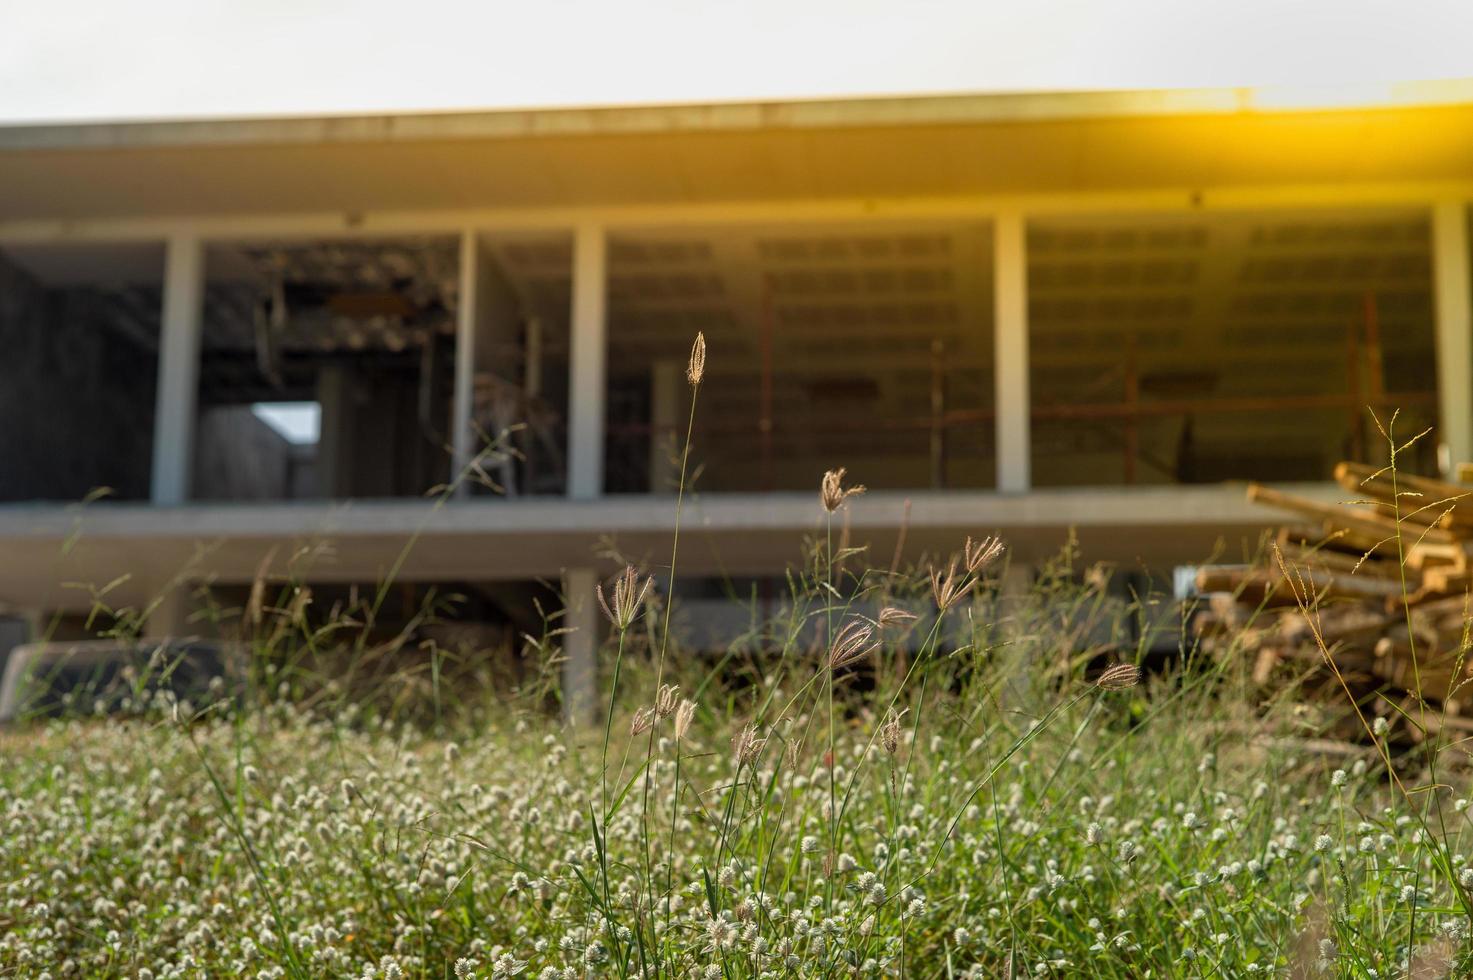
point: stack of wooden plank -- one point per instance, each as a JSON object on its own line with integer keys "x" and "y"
{"x": 1373, "y": 595}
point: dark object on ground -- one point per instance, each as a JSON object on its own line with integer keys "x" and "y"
{"x": 46, "y": 680}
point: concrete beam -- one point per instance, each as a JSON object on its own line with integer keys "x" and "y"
{"x": 178, "y": 377}
{"x": 580, "y": 647}
{"x": 1010, "y": 350}
{"x": 288, "y": 223}
{"x": 587, "y": 371}
{"x": 516, "y": 539}
{"x": 1451, "y": 272}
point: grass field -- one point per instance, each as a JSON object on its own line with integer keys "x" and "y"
{"x": 908, "y": 774}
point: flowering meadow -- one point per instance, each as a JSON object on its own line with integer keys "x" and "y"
{"x": 976, "y": 820}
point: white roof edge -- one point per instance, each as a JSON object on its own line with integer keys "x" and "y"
{"x": 1139, "y": 506}
{"x": 917, "y": 110}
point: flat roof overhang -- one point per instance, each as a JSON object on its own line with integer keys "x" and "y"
{"x": 861, "y": 148}
{"x": 736, "y": 534}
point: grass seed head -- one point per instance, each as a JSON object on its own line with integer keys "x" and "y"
{"x": 696, "y": 370}
{"x": 667, "y": 700}
{"x": 890, "y": 732}
{"x": 628, "y": 598}
{"x": 683, "y": 716}
{"x": 1119, "y": 677}
{"x": 948, "y": 588}
{"x": 980, "y": 554}
{"x": 855, "y": 641}
{"x": 746, "y": 746}
{"x": 833, "y": 493}
{"x": 892, "y": 616}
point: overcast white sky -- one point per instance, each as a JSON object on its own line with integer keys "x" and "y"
{"x": 115, "y": 59}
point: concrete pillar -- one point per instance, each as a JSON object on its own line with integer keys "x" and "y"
{"x": 580, "y": 647}
{"x": 335, "y": 432}
{"x": 169, "y": 618}
{"x": 1451, "y": 271}
{"x": 587, "y": 381}
{"x": 178, "y": 379}
{"x": 462, "y": 402}
{"x": 1010, "y": 350}
{"x": 1014, "y": 586}
{"x": 667, "y": 396}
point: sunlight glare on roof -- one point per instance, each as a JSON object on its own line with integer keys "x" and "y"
{"x": 1341, "y": 95}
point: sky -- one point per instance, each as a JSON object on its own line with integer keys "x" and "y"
{"x": 299, "y": 423}
{"x": 73, "y": 60}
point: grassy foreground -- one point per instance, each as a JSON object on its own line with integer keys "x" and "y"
{"x": 990, "y": 830}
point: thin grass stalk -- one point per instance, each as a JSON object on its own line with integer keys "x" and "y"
{"x": 832, "y": 761}
{"x": 922, "y": 655}
{"x": 694, "y": 375}
{"x": 670, "y": 852}
{"x": 1430, "y": 749}
{"x": 603, "y": 770}
{"x": 1432, "y": 745}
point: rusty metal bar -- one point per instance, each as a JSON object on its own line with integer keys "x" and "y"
{"x": 938, "y": 414}
{"x": 1353, "y": 386}
{"x": 1132, "y": 441}
{"x": 764, "y": 419}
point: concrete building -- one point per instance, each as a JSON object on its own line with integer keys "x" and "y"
{"x": 1010, "y": 313}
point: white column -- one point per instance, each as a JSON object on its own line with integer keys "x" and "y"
{"x": 587, "y": 371}
{"x": 1451, "y": 270}
{"x": 580, "y": 646}
{"x": 1010, "y": 350}
{"x": 462, "y": 403}
{"x": 178, "y": 379}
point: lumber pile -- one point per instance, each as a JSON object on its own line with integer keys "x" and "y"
{"x": 1374, "y": 595}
